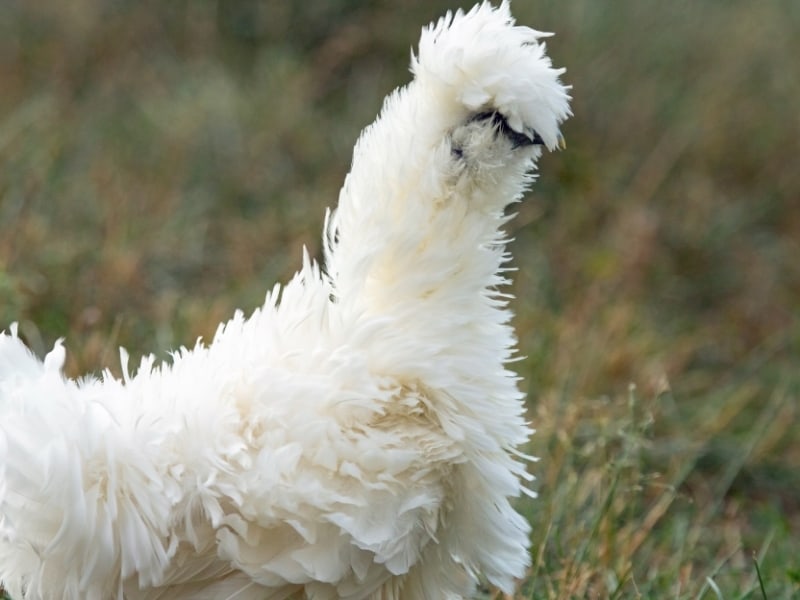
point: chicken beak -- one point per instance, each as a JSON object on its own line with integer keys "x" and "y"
{"x": 562, "y": 143}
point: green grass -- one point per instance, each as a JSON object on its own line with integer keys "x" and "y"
{"x": 163, "y": 164}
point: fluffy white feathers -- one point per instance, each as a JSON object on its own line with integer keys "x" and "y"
{"x": 356, "y": 439}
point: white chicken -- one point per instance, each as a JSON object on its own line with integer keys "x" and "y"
{"x": 356, "y": 437}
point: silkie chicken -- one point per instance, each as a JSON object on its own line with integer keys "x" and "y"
{"x": 359, "y": 435}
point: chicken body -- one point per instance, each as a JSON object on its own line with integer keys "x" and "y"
{"x": 356, "y": 437}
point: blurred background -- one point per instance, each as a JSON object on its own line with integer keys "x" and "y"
{"x": 163, "y": 163}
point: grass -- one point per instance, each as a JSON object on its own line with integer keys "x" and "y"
{"x": 163, "y": 164}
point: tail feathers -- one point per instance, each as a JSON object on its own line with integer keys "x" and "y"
{"x": 35, "y": 512}
{"x": 25, "y": 380}
{"x": 18, "y": 363}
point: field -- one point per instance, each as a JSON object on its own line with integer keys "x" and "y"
{"x": 163, "y": 163}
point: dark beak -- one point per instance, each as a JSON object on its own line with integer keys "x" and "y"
{"x": 518, "y": 139}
